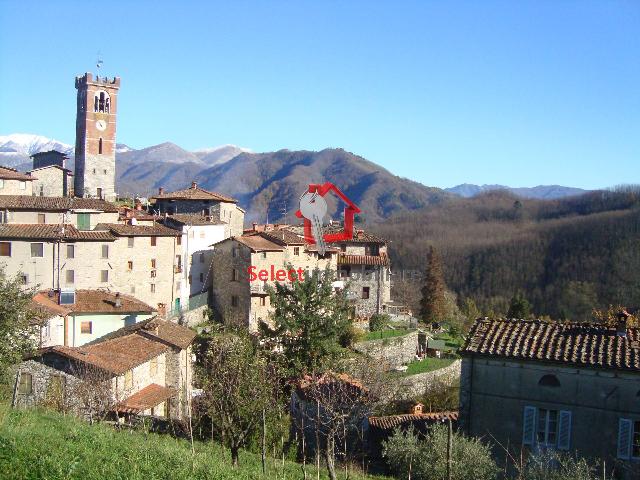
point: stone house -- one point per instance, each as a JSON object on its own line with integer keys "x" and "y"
{"x": 82, "y": 316}
{"x": 537, "y": 385}
{"x": 51, "y": 181}
{"x": 51, "y": 157}
{"x": 240, "y": 297}
{"x": 147, "y": 367}
{"x": 13, "y": 182}
{"x": 202, "y": 202}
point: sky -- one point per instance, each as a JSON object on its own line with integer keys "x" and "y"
{"x": 519, "y": 93}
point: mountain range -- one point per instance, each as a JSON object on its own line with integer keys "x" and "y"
{"x": 267, "y": 185}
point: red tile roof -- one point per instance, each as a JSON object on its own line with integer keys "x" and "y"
{"x": 191, "y": 219}
{"x": 96, "y": 301}
{"x": 122, "y": 230}
{"x": 57, "y": 204}
{"x": 147, "y": 398}
{"x": 577, "y": 344}
{"x": 258, "y": 243}
{"x": 50, "y": 232}
{"x": 45, "y": 307}
{"x": 344, "y": 259}
{"x": 7, "y": 173}
{"x": 392, "y": 421}
{"x": 169, "y": 333}
{"x": 194, "y": 193}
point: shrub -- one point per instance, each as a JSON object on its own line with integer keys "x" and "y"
{"x": 350, "y": 336}
{"x": 558, "y": 466}
{"x": 378, "y": 321}
{"x": 426, "y": 458}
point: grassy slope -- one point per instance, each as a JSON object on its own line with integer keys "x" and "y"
{"x": 40, "y": 444}
{"x": 429, "y": 364}
{"x": 387, "y": 334}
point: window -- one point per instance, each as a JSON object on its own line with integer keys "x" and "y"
{"x": 628, "y": 439}
{"x": 201, "y": 277}
{"x": 42, "y": 190}
{"x": 67, "y": 297}
{"x": 105, "y": 251}
{"x": 104, "y": 276}
{"x": 5, "y": 249}
{"x": 153, "y": 263}
{"x": 23, "y": 185}
{"x": 264, "y": 254}
{"x": 100, "y": 146}
{"x": 546, "y": 428}
{"x": 24, "y": 278}
{"x": 343, "y": 247}
{"x": 130, "y": 265}
{"x": 71, "y": 251}
{"x": 132, "y": 289}
{"x": 42, "y": 218}
{"x": 26, "y": 384}
{"x": 153, "y": 273}
{"x": 99, "y": 193}
{"x": 130, "y": 242}
{"x": 296, "y": 250}
{"x": 263, "y": 301}
{"x": 37, "y": 249}
{"x": 153, "y": 287}
{"x": 201, "y": 257}
{"x": 84, "y": 221}
{"x": 365, "y": 292}
{"x": 234, "y": 275}
{"x": 69, "y": 276}
{"x": 85, "y": 327}
{"x": 128, "y": 380}
{"x": 234, "y": 252}
{"x": 153, "y": 241}
{"x": 153, "y": 366}
{"x": 101, "y": 102}
{"x": 549, "y": 381}
{"x": 234, "y": 301}
{"x": 104, "y": 171}
{"x": 372, "y": 250}
{"x": 94, "y": 171}
{"x": 179, "y": 240}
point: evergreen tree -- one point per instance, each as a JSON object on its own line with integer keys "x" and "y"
{"x": 309, "y": 321}
{"x": 519, "y": 307}
{"x": 433, "y": 302}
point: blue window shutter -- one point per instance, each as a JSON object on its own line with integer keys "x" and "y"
{"x": 625, "y": 431}
{"x": 564, "y": 430}
{"x": 528, "y": 425}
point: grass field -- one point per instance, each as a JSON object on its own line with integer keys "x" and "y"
{"x": 41, "y": 444}
{"x": 450, "y": 341}
{"x": 429, "y": 364}
{"x": 387, "y": 334}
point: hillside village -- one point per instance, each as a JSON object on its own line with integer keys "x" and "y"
{"x": 134, "y": 288}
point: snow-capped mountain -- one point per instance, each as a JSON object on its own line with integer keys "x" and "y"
{"x": 28, "y": 144}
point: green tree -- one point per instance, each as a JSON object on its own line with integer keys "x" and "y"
{"x": 426, "y": 459}
{"x": 558, "y": 466}
{"x": 519, "y": 307}
{"x": 378, "y": 321}
{"x": 239, "y": 384}
{"x": 309, "y": 321}
{"x": 16, "y": 329}
{"x": 433, "y": 305}
{"x": 470, "y": 311}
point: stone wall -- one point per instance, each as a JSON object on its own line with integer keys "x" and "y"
{"x": 414, "y": 386}
{"x": 395, "y": 351}
{"x": 50, "y": 182}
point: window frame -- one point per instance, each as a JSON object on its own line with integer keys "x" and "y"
{"x": 5, "y": 247}
{"x": 73, "y": 277}
{"x": 41, "y": 250}
{"x": 104, "y": 276}
{"x": 366, "y": 293}
{"x": 42, "y": 218}
{"x": 86, "y": 327}
{"x": 104, "y": 248}
{"x": 154, "y": 241}
{"x": 71, "y": 247}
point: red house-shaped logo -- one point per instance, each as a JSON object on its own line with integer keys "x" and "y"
{"x": 349, "y": 213}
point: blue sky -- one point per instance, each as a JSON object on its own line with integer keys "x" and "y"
{"x": 512, "y": 92}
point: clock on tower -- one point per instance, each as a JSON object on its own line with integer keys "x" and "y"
{"x": 95, "y": 170}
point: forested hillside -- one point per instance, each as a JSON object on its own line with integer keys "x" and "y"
{"x": 567, "y": 256}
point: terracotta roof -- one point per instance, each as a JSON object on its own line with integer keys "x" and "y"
{"x": 169, "y": 333}
{"x": 579, "y": 344}
{"x": 283, "y": 237}
{"x": 37, "y": 231}
{"x": 147, "y": 398}
{"x": 192, "y": 219}
{"x": 392, "y": 421}
{"x": 45, "y": 307}
{"x": 58, "y": 204}
{"x": 363, "y": 259}
{"x": 123, "y": 230}
{"x": 127, "y": 347}
{"x": 7, "y": 173}
{"x": 258, "y": 243}
{"x": 359, "y": 235}
{"x": 330, "y": 379}
{"x": 98, "y": 301}
{"x": 194, "y": 193}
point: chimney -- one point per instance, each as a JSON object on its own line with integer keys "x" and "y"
{"x": 417, "y": 409}
{"x": 160, "y": 191}
{"x": 254, "y": 226}
{"x": 118, "y": 302}
{"x": 621, "y": 329}
{"x": 194, "y": 184}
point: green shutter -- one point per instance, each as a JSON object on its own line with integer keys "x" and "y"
{"x": 83, "y": 221}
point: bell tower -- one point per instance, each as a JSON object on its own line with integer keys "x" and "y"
{"x": 95, "y": 170}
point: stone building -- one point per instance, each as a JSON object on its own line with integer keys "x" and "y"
{"x": 95, "y": 154}
{"x": 13, "y": 182}
{"x": 82, "y": 316}
{"x": 49, "y": 158}
{"x": 51, "y": 181}
{"x": 238, "y": 297}
{"x": 537, "y": 385}
{"x": 147, "y": 368}
{"x": 196, "y": 200}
